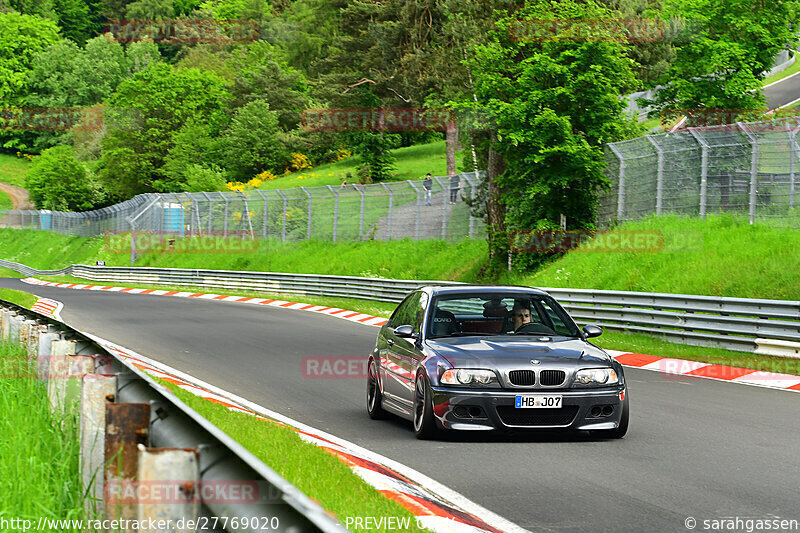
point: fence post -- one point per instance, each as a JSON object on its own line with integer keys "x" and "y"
{"x": 795, "y": 152}
{"x": 283, "y": 218}
{"x": 225, "y": 222}
{"x": 335, "y": 210}
{"x": 416, "y": 225}
{"x": 703, "y": 171}
{"x": 753, "y": 170}
{"x": 389, "y": 221}
{"x": 361, "y": 215}
{"x": 247, "y": 212}
{"x": 266, "y": 205}
{"x": 659, "y": 175}
{"x": 620, "y": 184}
{"x": 472, "y": 200}
{"x": 308, "y": 224}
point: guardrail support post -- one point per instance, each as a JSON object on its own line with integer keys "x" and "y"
{"x": 127, "y": 425}
{"x": 96, "y": 388}
{"x": 176, "y": 470}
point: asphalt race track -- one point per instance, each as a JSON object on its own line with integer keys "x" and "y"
{"x": 696, "y": 447}
{"x": 783, "y": 93}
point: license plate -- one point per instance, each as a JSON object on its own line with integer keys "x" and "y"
{"x": 525, "y": 401}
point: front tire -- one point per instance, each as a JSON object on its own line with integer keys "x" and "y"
{"x": 424, "y": 420}
{"x": 374, "y": 395}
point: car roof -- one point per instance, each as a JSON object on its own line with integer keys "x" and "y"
{"x": 436, "y": 290}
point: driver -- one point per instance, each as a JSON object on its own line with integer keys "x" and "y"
{"x": 521, "y": 314}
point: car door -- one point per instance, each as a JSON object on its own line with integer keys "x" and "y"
{"x": 395, "y": 357}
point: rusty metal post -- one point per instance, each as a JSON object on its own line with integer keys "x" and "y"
{"x": 25, "y": 331}
{"x": 33, "y": 340}
{"x": 96, "y": 388}
{"x": 172, "y": 477}
{"x": 127, "y": 425}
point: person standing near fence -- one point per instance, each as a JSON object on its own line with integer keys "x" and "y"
{"x": 455, "y": 185}
{"x": 427, "y": 186}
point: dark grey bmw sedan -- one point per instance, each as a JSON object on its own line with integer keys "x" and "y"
{"x": 478, "y": 357}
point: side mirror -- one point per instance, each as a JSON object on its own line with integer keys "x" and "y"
{"x": 405, "y": 331}
{"x": 592, "y": 331}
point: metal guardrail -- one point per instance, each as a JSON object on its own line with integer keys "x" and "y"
{"x": 734, "y": 323}
{"x": 168, "y": 425}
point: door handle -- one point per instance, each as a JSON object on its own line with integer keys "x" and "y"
{"x": 390, "y": 342}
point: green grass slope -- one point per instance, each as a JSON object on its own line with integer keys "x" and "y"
{"x": 13, "y": 169}
{"x": 721, "y": 256}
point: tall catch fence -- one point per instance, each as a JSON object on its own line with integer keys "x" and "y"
{"x": 382, "y": 211}
{"x": 747, "y": 167}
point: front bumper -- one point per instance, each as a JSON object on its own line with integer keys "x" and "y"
{"x": 471, "y": 409}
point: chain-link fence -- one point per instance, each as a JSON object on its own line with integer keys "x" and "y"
{"x": 382, "y": 211}
{"x": 741, "y": 168}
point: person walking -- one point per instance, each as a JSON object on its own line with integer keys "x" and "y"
{"x": 455, "y": 186}
{"x": 427, "y": 186}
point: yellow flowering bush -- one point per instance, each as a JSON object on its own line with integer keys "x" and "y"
{"x": 299, "y": 162}
{"x": 343, "y": 153}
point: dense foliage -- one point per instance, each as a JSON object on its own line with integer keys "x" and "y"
{"x": 191, "y": 115}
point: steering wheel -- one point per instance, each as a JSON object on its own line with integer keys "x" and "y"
{"x": 533, "y": 327}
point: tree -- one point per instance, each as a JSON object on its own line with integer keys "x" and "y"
{"x": 733, "y": 42}
{"x": 21, "y": 38}
{"x": 253, "y": 143}
{"x": 554, "y": 103}
{"x": 57, "y": 181}
{"x": 147, "y": 111}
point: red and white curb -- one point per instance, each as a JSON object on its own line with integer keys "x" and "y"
{"x": 48, "y": 307}
{"x": 731, "y": 374}
{"x": 665, "y": 365}
{"x": 352, "y": 316}
{"x": 434, "y": 506}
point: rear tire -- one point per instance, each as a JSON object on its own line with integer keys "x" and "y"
{"x": 374, "y": 395}
{"x": 424, "y": 420}
{"x": 622, "y": 428}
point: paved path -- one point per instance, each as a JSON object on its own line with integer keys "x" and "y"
{"x": 19, "y": 196}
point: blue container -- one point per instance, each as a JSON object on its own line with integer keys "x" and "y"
{"x": 173, "y": 218}
{"x": 45, "y": 220}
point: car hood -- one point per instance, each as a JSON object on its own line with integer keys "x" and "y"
{"x": 504, "y": 352}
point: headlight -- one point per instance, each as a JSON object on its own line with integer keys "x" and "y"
{"x": 468, "y": 376}
{"x": 596, "y": 376}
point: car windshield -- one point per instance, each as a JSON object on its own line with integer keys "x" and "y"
{"x": 499, "y": 314}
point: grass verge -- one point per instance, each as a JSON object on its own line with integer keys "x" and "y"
{"x": 5, "y": 201}
{"x": 8, "y": 273}
{"x": 39, "y": 474}
{"x": 399, "y": 259}
{"x": 720, "y": 256}
{"x": 13, "y": 169}
{"x": 317, "y": 473}
{"x": 25, "y": 299}
{"x": 411, "y": 163}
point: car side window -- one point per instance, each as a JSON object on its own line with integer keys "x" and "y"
{"x": 408, "y": 313}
